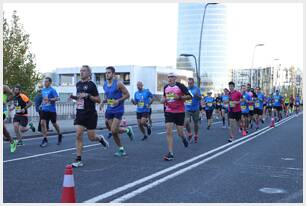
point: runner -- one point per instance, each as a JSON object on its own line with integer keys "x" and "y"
{"x": 115, "y": 94}
{"x": 291, "y": 103}
{"x": 143, "y": 98}
{"x": 258, "y": 107}
{"x": 21, "y": 105}
{"x": 7, "y": 94}
{"x": 286, "y": 105}
{"x": 225, "y": 104}
{"x": 277, "y": 105}
{"x": 269, "y": 105}
{"x": 209, "y": 103}
{"x": 218, "y": 106}
{"x": 86, "y": 116}
{"x": 244, "y": 110}
{"x": 48, "y": 112}
{"x": 234, "y": 110}
{"x": 192, "y": 110}
{"x": 297, "y": 104}
{"x": 173, "y": 98}
{"x": 265, "y": 103}
{"x": 251, "y": 107}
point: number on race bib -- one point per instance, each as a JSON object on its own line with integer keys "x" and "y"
{"x": 80, "y": 104}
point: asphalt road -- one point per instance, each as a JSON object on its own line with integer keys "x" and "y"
{"x": 265, "y": 166}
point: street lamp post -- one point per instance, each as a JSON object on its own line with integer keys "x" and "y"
{"x": 201, "y": 34}
{"x": 273, "y": 73}
{"x": 253, "y": 63}
{"x": 196, "y": 67}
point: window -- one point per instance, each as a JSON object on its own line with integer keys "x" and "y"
{"x": 66, "y": 79}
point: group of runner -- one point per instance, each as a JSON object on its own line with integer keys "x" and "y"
{"x": 182, "y": 106}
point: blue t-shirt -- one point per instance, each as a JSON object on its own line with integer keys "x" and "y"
{"x": 277, "y": 100}
{"x": 142, "y": 98}
{"x": 259, "y": 101}
{"x": 297, "y": 101}
{"x": 244, "y": 105}
{"x": 209, "y": 103}
{"x": 225, "y": 101}
{"x": 194, "y": 103}
{"x": 47, "y": 94}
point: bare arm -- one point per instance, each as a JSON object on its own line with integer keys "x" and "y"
{"x": 125, "y": 92}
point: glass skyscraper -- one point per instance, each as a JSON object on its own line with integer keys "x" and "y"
{"x": 214, "y": 72}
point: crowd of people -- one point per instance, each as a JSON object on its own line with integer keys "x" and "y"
{"x": 184, "y": 107}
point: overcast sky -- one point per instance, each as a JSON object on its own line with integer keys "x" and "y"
{"x": 100, "y": 34}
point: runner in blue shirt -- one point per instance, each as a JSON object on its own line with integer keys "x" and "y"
{"x": 258, "y": 107}
{"x": 297, "y": 104}
{"x": 277, "y": 105}
{"x": 244, "y": 110}
{"x": 192, "y": 110}
{"x": 209, "y": 103}
{"x": 143, "y": 98}
{"x": 225, "y": 104}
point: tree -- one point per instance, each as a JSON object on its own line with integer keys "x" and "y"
{"x": 19, "y": 65}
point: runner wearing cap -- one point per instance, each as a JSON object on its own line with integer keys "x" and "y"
{"x": 173, "y": 98}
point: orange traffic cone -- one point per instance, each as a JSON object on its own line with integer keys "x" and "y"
{"x": 272, "y": 122}
{"x": 68, "y": 193}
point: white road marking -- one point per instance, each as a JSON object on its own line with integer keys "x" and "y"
{"x": 181, "y": 171}
{"x": 142, "y": 180}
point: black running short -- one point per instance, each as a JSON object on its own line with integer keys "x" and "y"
{"x": 22, "y": 120}
{"x": 48, "y": 116}
{"x": 258, "y": 111}
{"x": 209, "y": 113}
{"x": 246, "y": 115}
{"x": 291, "y": 105}
{"x": 278, "y": 108}
{"x": 218, "y": 107}
{"x": 88, "y": 120}
{"x": 176, "y": 118}
{"x": 234, "y": 115}
{"x": 251, "y": 113}
{"x": 142, "y": 115}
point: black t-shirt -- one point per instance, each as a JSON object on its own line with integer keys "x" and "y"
{"x": 86, "y": 104}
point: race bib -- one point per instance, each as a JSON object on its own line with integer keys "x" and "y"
{"x": 218, "y": 103}
{"x": 243, "y": 107}
{"x": 231, "y": 103}
{"x": 110, "y": 102}
{"x": 251, "y": 107}
{"x": 225, "y": 105}
{"x": 297, "y": 103}
{"x": 188, "y": 102}
{"x": 80, "y": 104}
{"x": 141, "y": 104}
{"x": 209, "y": 104}
{"x": 170, "y": 97}
{"x": 257, "y": 104}
{"x": 18, "y": 109}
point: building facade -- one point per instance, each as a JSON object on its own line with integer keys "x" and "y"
{"x": 213, "y": 53}
{"x": 153, "y": 78}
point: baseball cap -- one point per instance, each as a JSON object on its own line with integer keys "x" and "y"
{"x": 171, "y": 74}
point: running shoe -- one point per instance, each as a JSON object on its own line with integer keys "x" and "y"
{"x": 103, "y": 141}
{"x": 13, "y": 146}
{"x": 20, "y": 143}
{"x": 77, "y": 163}
{"x": 168, "y": 157}
{"x": 208, "y": 127}
{"x": 257, "y": 128}
{"x": 244, "y": 133}
{"x": 185, "y": 142}
{"x": 109, "y": 135}
{"x": 44, "y": 142}
{"x": 130, "y": 133}
{"x": 144, "y": 138}
{"x": 262, "y": 121}
{"x": 32, "y": 126}
{"x": 120, "y": 153}
{"x": 59, "y": 139}
{"x": 230, "y": 139}
{"x": 189, "y": 138}
{"x": 149, "y": 131}
{"x": 224, "y": 127}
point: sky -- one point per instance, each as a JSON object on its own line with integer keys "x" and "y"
{"x": 145, "y": 34}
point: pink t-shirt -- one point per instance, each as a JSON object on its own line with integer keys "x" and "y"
{"x": 172, "y": 105}
{"x": 234, "y": 96}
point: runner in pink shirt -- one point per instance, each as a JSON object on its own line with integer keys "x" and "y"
{"x": 174, "y": 97}
{"x": 234, "y": 110}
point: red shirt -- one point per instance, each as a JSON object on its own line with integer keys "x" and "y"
{"x": 234, "y": 96}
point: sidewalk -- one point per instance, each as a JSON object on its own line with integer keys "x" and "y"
{"x": 67, "y": 126}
